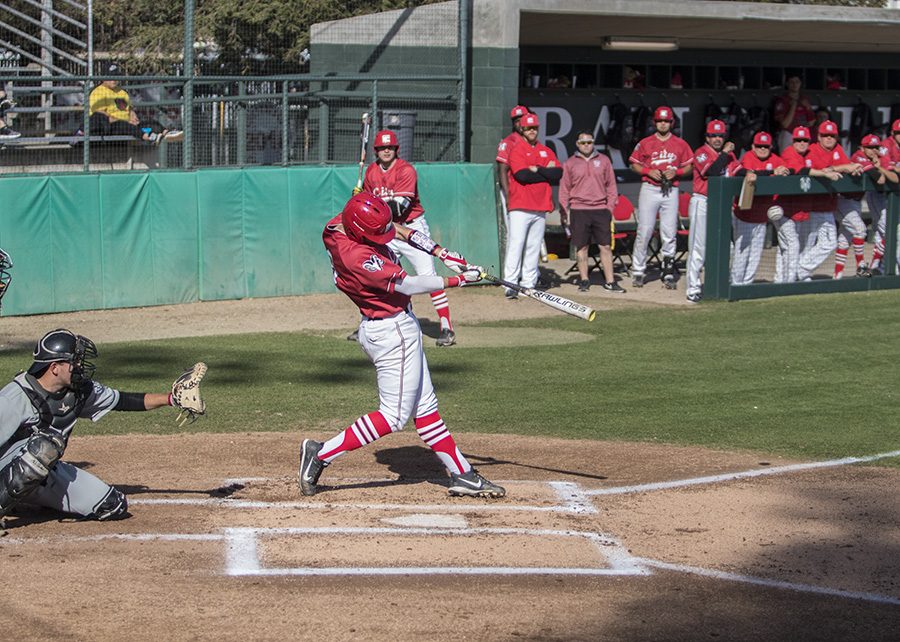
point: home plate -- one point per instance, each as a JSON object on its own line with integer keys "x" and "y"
{"x": 428, "y": 521}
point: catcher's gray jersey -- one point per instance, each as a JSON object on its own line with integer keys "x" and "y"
{"x": 68, "y": 488}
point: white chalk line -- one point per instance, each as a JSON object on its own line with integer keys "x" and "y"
{"x": 242, "y": 552}
{"x": 747, "y": 474}
{"x": 761, "y": 581}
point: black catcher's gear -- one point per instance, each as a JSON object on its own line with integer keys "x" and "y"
{"x": 63, "y": 345}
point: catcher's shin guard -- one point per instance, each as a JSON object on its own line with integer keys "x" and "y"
{"x": 668, "y": 272}
{"x": 25, "y": 473}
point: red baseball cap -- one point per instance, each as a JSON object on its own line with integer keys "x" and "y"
{"x": 871, "y": 141}
{"x": 828, "y": 127}
{"x": 763, "y": 138}
{"x": 385, "y": 138}
{"x": 663, "y": 113}
{"x": 896, "y": 126}
{"x": 801, "y": 132}
{"x": 715, "y": 127}
{"x": 529, "y": 120}
{"x": 518, "y": 111}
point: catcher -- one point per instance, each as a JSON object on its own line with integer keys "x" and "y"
{"x": 38, "y": 411}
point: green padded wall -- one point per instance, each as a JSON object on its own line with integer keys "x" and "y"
{"x": 82, "y": 242}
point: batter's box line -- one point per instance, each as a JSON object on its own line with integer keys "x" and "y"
{"x": 242, "y": 553}
{"x": 571, "y": 496}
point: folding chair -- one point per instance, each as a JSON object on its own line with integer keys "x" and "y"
{"x": 684, "y": 222}
{"x": 625, "y": 227}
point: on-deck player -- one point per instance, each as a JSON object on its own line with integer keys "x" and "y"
{"x": 818, "y": 236}
{"x": 890, "y": 148}
{"x": 749, "y": 226}
{"x": 38, "y": 411}
{"x": 661, "y": 159}
{"x": 534, "y": 168}
{"x": 367, "y": 270}
{"x": 396, "y": 182}
{"x": 504, "y": 148}
{"x": 710, "y": 159}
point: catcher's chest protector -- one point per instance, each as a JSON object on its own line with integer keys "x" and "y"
{"x": 56, "y": 412}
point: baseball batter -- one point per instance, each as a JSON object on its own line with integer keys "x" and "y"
{"x": 818, "y": 236}
{"x": 367, "y": 270}
{"x": 890, "y": 149}
{"x": 5, "y": 276}
{"x": 396, "y": 182}
{"x": 710, "y": 159}
{"x": 38, "y": 411}
{"x": 661, "y": 159}
{"x": 749, "y": 226}
{"x": 534, "y": 169}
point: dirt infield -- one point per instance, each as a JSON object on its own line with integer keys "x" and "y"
{"x": 596, "y": 541}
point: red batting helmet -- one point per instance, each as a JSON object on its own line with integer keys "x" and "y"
{"x": 871, "y": 141}
{"x": 715, "y": 128}
{"x": 529, "y": 120}
{"x": 762, "y": 139}
{"x": 828, "y": 127}
{"x": 801, "y": 132}
{"x": 385, "y": 138}
{"x": 518, "y": 111}
{"x": 367, "y": 217}
{"x": 663, "y": 113}
{"x": 896, "y": 126}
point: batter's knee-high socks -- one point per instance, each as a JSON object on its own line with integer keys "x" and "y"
{"x": 364, "y": 431}
{"x": 442, "y": 307}
{"x": 433, "y": 432}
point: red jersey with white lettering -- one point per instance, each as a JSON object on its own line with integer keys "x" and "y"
{"x": 400, "y": 179}
{"x": 892, "y": 151}
{"x": 798, "y": 206}
{"x": 656, "y": 153}
{"x": 761, "y": 204}
{"x": 704, "y": 158}
{"x": 536, "y": 197}
{"x": 506, "y": 146}
{"x": 368, "y": 274}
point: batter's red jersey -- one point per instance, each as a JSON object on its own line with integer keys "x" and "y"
{"x": 400, "y": 179}
{"x": 704, "y": 158}
{"x": 656, "y": 153}
{"x": 506, "y": 146}
{"x": 368, "y": 274}
{"x": 761, "y": 204}
{"x": 536, "y": 197}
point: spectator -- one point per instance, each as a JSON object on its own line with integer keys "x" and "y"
{"x": 792, "y": 110}
{"x": 587, "y": 195}
{"x": 112, "y": 114}
{"x": 6, "y": 132}
{"x": 534, "y": 168}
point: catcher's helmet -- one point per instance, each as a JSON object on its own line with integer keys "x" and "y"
{"x": 367, "y": 218}
{"x": 63, "y": 345}
{"x": 385, "y": 138}
{"x": 5, "y": 277}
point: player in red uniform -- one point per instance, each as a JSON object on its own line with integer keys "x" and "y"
{"x": 710, "y": 159}
{"x": 367, "y": 270}
{"x": 661, "y": 159}
{"x": 396, "y": 182}
{"x": 818, "y": 237}
{"x": 796, "y": 207}
{"x": 749, "y": 231}
{"x": 505, "y": 147}
{"x": 890, "y": 149}
{"x": 792, "y": 110}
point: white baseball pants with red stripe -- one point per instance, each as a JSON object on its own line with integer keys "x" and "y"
{"x": 650, "y": 202}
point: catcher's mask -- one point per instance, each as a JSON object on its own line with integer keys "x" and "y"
{"x": 67, "y": 347}
{"x": 5, "y": 276}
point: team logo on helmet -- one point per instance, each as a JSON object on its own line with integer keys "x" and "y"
{"x": 374, "y": 263}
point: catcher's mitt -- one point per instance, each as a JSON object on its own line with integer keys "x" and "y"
{"x": 186, "y": 394}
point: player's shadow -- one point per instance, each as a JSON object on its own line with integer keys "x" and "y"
{"x": 548, "y": 279}
{"x": 430, "y": 329}
{"x": 411, "y": 465}
{"x": 484, "y": 462}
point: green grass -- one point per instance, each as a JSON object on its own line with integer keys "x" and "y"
{"x": 809, "y": 377}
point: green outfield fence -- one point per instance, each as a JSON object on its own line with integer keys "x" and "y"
{"x": 112, "y": 240}
{"x": 723, "y": 191}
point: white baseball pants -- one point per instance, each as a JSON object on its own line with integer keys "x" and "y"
{"x": 650, "y": 203}
{"x": 748, "y": 246}
{"x": 523, "y": 246}
{"x": 421, "y": 262}
{"x": 818, "y": 239}
{"x": 849, "y": 221}
{"x": 696, "y": 243}
{"x": 787, "y": 260}
{"x": 878, "y": 208}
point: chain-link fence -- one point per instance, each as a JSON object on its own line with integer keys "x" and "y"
{"x": 251, "y": 97}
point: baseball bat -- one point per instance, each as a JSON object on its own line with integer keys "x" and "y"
{"x": 363, "y": 143}
{"x": 554, "y": 301}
